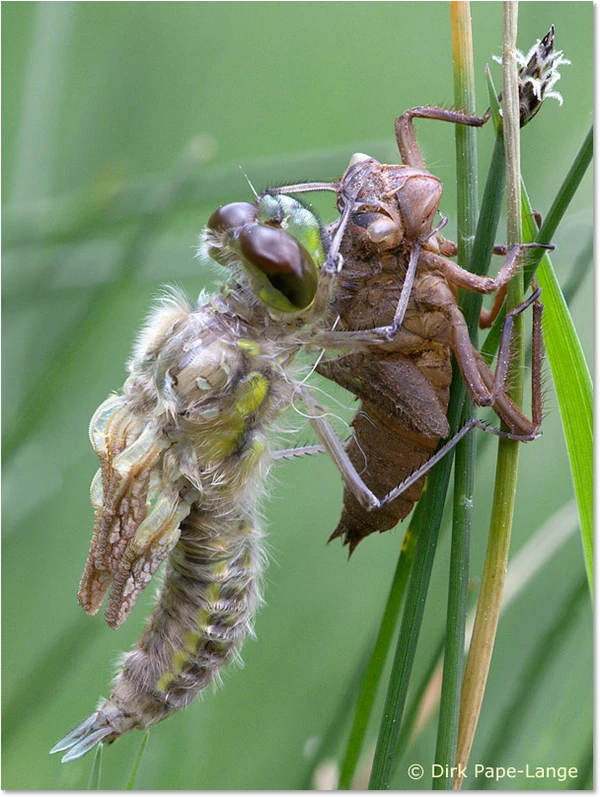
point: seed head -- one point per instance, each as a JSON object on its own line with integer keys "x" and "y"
{"x": 538, "y": 74}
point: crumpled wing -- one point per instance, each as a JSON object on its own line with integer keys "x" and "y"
{"x": 151, "y": 544}
{"x": 128, "y": 450}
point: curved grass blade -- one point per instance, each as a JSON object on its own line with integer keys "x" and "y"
{"x": 138, "y": 761}
{"x": 570, "y": 373}
{"x": 374, "y": 669}
{"x": 573, "y": 385}
{"x": 96, "y": 773}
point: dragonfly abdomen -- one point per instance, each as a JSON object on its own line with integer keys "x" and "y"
{"x": 203, "y": 614}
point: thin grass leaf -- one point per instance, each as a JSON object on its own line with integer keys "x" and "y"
{"x": 464, "y": 470}
{"x": 569, "y": 369}
{"x": 490, "y": 598}
{"x": 411, "y": 715}
{"x": 138, "y": 761}
{"x": 96, "y": 771}
{"x": 374, "y": 669}
{"x": 414, "y": 606}
{"x": 523, "y": 569}
{"x": 507, "y": 723}
{"x": 573, "y": 385}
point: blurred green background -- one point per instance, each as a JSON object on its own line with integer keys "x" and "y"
{"x": 123, "y": 128}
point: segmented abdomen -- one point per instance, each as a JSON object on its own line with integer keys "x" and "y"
{"x": 404, "y": 389}
{"x": 203, "y": 614}
{"x": 385, "y": 452}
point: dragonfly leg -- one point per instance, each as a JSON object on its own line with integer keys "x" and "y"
{"x": 405, "y": 131}
{"x": 488, "y": 389}
{"x": 487, "y": 317}
{"x": 502, "y": 405}
{"x": 303, "y": 188}
{"x": 336, "y": 450}
{"x": 475, "y": 282}
{"x": 300, "y": 451}
{"x": 353, "y": 480}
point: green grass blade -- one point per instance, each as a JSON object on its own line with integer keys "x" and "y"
{"x": 96, "y": 772}
{"x": 138, "y": 761}
{"x": 508, "y": 722}
{"x": 464, "y": 469}
{"x": 496, "y": 559}
{"x": 573, "y": 385}
{"x": 570, "y": 373}
{"x": 414, "y": 606}
{"x": 374, "y": 669}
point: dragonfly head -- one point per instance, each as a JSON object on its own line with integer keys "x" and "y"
{"x": 275, "y": 244}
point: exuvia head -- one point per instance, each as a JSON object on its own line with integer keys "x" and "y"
{"x": 394, "y": 204}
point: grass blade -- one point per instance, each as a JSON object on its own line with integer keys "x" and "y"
{"x": 464, "y": 470}
{"x": 96, "y": 771}
{"x": 414, "y": 606}
{"x": 490, "y": 598}
{"x": 138, "y": 761}
{"x": 374, "y": 669}
{"x": 573, "y": 385}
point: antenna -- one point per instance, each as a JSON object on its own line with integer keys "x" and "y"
{"x": 249, "y": 183}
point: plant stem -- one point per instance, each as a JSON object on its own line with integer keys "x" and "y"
{"x": 414, "y": 606}
{"x": 490, "y": 599}
{"x": 138, "y": 761}
{"x": 467, "y": 203}
{"x": 374, "y": 669}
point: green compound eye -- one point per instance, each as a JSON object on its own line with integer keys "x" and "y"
{"x": 285, "y": 263}
{"x": 235, "y": 214}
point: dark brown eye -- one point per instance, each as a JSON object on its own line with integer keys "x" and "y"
{"x": 235, "y": 214}
{"x": 364, "y": 219}
{"x": 283, "y": 260}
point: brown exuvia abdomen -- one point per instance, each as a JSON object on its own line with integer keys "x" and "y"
{"x": 396, "y": 429}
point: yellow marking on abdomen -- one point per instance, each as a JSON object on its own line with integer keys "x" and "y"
{"x": 249, "y": 347}
{"x": 165, "y": 680}
{"x": 233, "y": 425}
{"x": 251, "y": 393}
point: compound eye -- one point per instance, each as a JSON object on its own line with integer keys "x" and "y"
{"x": 284, "y": 261}
{"x": 381, "y": 229}
{"x": 235, "y": 214}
